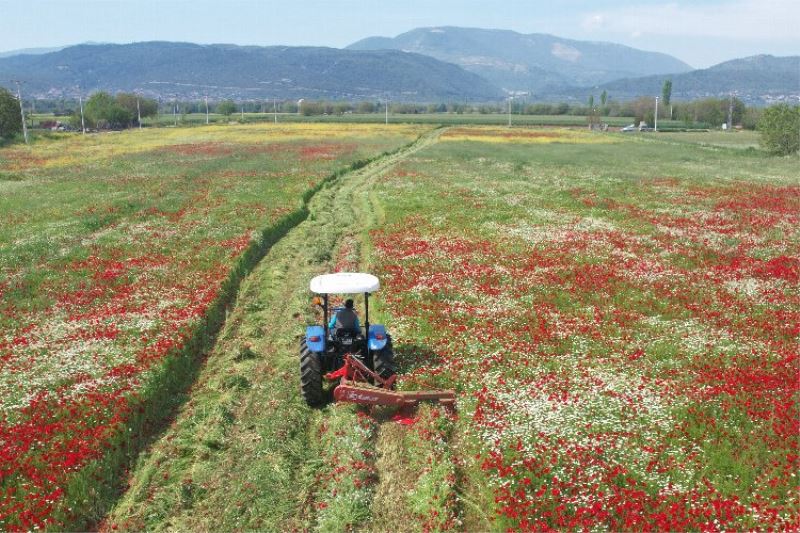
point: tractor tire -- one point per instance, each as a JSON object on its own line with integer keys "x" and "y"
{"x": 384, "y": 361}
{"x": 310, "y": 376}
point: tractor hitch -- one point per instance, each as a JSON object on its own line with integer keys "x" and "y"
{"x": 359, "y": 384}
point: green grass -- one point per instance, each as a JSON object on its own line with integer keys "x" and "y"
{"x": 735, "y": 139}
{"x": 196, "y": 119}
{"x": 521, "y": 197}
{"x": 125, "y": 231}
{"x": 245, "y": 453}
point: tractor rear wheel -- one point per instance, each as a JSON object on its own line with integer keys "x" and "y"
{"x": 384, "y": 361}
{"x": 310, "y": 376}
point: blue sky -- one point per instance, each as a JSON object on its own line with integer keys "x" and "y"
{"x": 700, "y": 32}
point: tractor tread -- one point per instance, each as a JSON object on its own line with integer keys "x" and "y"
{"x": 384, "y": 360}
{"x": 310, "y": 376}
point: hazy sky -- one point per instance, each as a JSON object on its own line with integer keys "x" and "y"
{"x": 700, "y": 32}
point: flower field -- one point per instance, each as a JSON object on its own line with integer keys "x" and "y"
{"x": 118, "y": 256}
{"x": 619, "y": 315}
{"x": 621, "y": 321}
{"x": 525, "y": 136}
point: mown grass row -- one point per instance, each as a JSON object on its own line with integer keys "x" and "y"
{"x": 98, "y": 484}
{"x": 90, "y": 490}
{"x": 243, "y": 395}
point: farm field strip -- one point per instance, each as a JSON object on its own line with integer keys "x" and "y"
{"x": 434, "y": 119}
{"x": 623, "y": 336}
{"x": 525, "y": 135}
{"x": 741, "y": 140}
{"x": 114, "y": 271}
{"x": 202, "y": 142}
{"x": 245, "y": 452}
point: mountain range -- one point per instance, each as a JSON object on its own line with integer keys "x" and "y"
{"x": 185, "y": 70}
{"x": 528, "y": 63}
{"x": 30, "y": 51}
{"x": 423, "y": 65}
{"x": 753, "y": 79}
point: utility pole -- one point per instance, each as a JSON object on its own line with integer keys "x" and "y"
{"x": 206, "y": 110}
{"x": 509, "y": 110}
{"x": 387, "y": 111}
{"x": 22, "y": 111}
{"x": 242, "y": 112}
{"x": 83, "y": 124}
{"x": 730, "y": 114}
{"x": 139, "y": 112}
{"x": 175, "y": 112}
{"x": 655, "y": 128}
{"x": 275, "y": 110}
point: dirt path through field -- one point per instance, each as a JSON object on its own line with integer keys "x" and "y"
{"x": 245, "y": 452}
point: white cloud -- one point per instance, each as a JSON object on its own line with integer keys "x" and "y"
{"x": 767, "y": 20}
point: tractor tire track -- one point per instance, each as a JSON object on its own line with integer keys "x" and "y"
{"x": 418, "y": 476}
{"x": 353, "y": 200}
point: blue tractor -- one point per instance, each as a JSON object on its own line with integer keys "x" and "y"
{"x": 324, "y": 349}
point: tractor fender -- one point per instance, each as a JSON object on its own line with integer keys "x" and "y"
{"x": 318, "y": 334}
{"x": 377, "y": 337}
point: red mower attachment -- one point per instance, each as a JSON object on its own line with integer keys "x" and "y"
{"x": 355, "y": 387}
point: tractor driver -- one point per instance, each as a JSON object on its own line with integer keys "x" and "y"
{"x": 345, "y": 319}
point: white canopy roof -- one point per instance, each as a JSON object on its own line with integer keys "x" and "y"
{"x": 344, "y": 283}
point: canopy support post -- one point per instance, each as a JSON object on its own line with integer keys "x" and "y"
{"x": 366, "y": 325}
{"x": 325, "y": 314}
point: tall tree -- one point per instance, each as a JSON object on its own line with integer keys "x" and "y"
{"x": 779, "y": 127}
{"x": 104, "y": 112}
{"x": 10, "y": 118}
{"x": 128, "y": 101}
{"x": 226, "y": 108}
{"x": 603, "y": 98}
{"x": 591, "y": 102}
{"x": 666, "y": 92}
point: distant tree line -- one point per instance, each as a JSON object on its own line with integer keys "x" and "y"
{"x": 226, "y": 107}
{"x": 708, "y": 112}
{"x": 104, "y": 111}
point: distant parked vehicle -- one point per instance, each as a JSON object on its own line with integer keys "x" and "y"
{"x": 633, "y": 127}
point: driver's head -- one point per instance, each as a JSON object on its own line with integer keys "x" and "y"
{"x": 348, "y": 304}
